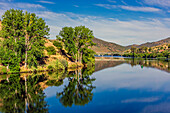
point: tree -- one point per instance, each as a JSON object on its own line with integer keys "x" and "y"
{"x": 133, "y": 50}
{"x": 23, "y": 35}
{"x": 35, "y": 30}
{"x": 77, "y": 40}
{"x": 12, "y": 25}
{"x": 67, "y": 34}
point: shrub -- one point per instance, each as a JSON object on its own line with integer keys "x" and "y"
{"x": 51, "y": 50}
{"x": 3, "y": 69}
{"x": 64, "y": 62}
{"x": 59, "y": 65}
{"x": 50, "y": 68}
{"x": 57, "y": 44}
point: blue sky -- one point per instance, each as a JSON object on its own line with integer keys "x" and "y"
{"x": 121, "y": 21}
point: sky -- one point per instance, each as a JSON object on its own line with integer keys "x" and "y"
{"x": 123, "y": 22}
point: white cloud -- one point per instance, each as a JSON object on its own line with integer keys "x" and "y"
{"x": 147, "y": 99}
{"x": 107, "y": 6}
{"x": 5, "y": 5}
{"x": 46, "y": 2}
{"x": 112, "y": 1}
{"x": 114, "y": 30}
{"x": 27, "y": 5}
{"x": 165, "y": 3}
{"x": 75, "y": 5}
{"x": 130, "y": 8}
{"x": 158, "y": 107}
{"x": 143, "y": 9}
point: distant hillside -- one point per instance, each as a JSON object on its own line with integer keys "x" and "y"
{"x": 151, "y": 44}
{"x": 105, "y": 47}
{"x": 109, "y": 47}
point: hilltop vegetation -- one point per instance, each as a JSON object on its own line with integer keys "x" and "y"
{"x": 160, "y": 52}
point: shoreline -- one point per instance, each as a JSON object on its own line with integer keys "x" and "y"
{"x": 75, "y": 67}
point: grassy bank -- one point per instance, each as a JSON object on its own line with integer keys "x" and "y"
{"x": 57, "y": 65}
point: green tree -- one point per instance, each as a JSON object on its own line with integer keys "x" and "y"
{"x": 77, "y": 40}
{"x": 23, "y": 35}
{"x": 12, "y": 34}
{"x": 133, "y": 50}
{"x": 35, "y": 31}
{"x": 67, "y": 34}
{"x": 83, "y": 38}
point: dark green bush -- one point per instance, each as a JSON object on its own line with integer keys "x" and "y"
{"x": 50, "y": 68}
{"x": 57, "y": 44}
{"x": 51, "y": 50}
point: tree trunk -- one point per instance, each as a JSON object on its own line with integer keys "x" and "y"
{"x": 81, "y": 56}
{"x": 7, "y": 66}
{"x": 78, "y": 55}
{"x": 25, "y": 94}
{"x": 26, "y": 54}
{"x": 15, "y": 43}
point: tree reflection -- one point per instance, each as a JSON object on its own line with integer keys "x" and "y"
{"x": 22, "y": 94}
{"x": 162, "y": 65}
{"x": 79, "y": 89}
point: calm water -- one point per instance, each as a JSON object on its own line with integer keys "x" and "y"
{"x": 132, "y": 86}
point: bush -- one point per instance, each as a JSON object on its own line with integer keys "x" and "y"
{"x": 64, "y": 62}
{"x": 50, "y": 68}
{"x": 57, "y": 44}
{"x": 59, "y": 65}
{"x": 51, "y": 50}
{"x": 3, "y": 69}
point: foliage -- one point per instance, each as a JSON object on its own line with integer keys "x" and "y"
{"x": 50, "y": 67}
{"x": 64, "y": 62}
{"x": 88, "y": 56}
{"x": 51, "y": 50}
{"x": 59, "y": 65}
{"x": 23, "y": 39}
{"x": 148, "y": 55}
{"x": 67, "y": 34}
{"x": 57, "y": 44}
{"x": 77, "y": 42}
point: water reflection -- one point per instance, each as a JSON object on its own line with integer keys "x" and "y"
{"x": 79, "y": 89}
{"x": 110, "y": 86}
{"x": 22, "y": 94}
{"x": 161, "y": 65}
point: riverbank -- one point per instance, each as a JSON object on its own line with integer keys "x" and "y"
{"x": 71, "y": 66}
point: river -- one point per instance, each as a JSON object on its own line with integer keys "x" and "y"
{"x": 115, "y": 86}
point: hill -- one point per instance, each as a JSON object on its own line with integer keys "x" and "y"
{"x": 109, "y": 47}
{"x": 151, "y": 44}
{"x": 105, "y": 47}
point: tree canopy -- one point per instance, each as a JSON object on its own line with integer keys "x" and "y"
{"x": 77, "y": 42}
{"x": 23, "y": 36}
